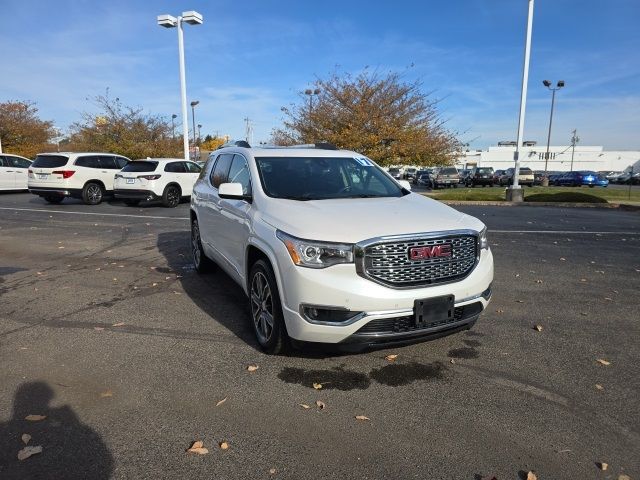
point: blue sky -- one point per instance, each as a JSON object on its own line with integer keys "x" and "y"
{"x": 252, "y": 57}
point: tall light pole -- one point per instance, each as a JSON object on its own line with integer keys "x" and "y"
{"x": 193, "y": 113}
{"x": 199, "y": 136}
{"x": 574, "y": 139}
{"x": 311, "y": 93}
{"x": 192, "y": 18}
{"x": 514, "y": 193}
{"x": 173, "y": 125}
{"x": 559, "y": 85}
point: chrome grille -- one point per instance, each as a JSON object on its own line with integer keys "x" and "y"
{"x": 388, "y": 262}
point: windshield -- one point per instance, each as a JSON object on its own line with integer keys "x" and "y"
{"x": 140, "y": 166}
{"x": 394, "y": 170}
{"x": 485, "y": 170}
{"x": 525, "y": 171}
{"x": 50, "y": 161}
{"x": 321, "y": 178}
{"x": 448, "y": 171}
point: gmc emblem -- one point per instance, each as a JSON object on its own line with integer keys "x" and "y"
{"x": 436, "y": 251}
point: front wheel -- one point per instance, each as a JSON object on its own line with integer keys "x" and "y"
{"x": 92, "y": 193}
{"x": 171, "y": 196}
{"x": 266, "y": 310}
{"x": 201, "y": 262}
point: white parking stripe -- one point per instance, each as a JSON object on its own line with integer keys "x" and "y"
{"x": 565, "y": 232}
{"x": 93, "y": 213}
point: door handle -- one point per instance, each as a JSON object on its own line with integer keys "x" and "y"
{"x": 9, "y": 171}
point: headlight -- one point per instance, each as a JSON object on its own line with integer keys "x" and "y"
{"x": 484, "y": 242}
{"x": 315, "y": 254}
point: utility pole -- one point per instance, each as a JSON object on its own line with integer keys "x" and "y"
{"x": 574, "y": 139}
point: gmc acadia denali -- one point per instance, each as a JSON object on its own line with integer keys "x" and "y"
{"x": 330, "y": 248}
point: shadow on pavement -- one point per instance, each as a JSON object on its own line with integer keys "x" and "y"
{"x": 70, "y": 449}
{"x": 216, "y": 293}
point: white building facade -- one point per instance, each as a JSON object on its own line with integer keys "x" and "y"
{"x": 533, "y": 156}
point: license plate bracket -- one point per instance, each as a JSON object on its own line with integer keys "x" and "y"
{"x": 430, "y": 311}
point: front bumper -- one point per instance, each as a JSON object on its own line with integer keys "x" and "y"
{"x": 341, "y": 287}
{"x": 135, "y": 194}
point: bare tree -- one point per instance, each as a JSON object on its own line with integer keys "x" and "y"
{"x": 380, "y": 115}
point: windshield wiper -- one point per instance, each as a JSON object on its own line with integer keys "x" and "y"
{"x": 301, "y": 198}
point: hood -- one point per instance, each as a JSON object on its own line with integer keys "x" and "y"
{"x": 352, "y": 220}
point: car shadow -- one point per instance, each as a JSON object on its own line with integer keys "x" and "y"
{"x": 70, "y": 449}
{"x": 214, "y": 293}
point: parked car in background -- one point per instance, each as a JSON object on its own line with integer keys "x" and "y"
{"x": 410, "y": 173}
{"x": 396, "y": 173}
{"x": 327, "y": 259}
{"x": 446, "y": 177}
{"x": 88, "y": 176}
{"x": 612, "y": 176}
{"x": 14, "y": 171}
{"x": 464, "y": 174}
{"x": 497, "y": 175}
{"x": 480, "y": 176}
{"x": 425, "y": 179}
{"x": 525, "y": 177}
{"x": 166, "y": 179}
{"x": 577, "y": 179}
{"x": 538, "y": 175}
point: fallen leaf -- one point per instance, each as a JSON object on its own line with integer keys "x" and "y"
{"x": 519, "y": 301}
{"x": 608, "y": 299}
{"x": 98, "y": 269}
{"x": 39, "y": 273}
{"x": 321, "y": 405}
{"x": 25, "y": 438}
{"x": 154, "y": 284}
{"x": 167, "y": 278}
{"x": 305, "y": 406}
{"x": 35, "y": 418}
{"x": 106, "y": 393}
{"x": 517, "y": 275}
{"x": 615, "y": 291}
{"x": 26, "y": 452}
{"x": 583, "y": 279}
{"x": 177, "y": 293}
{"x": 531, "y": 476}
{"x": 538, "y": 328}
{"x": 600, "y": 271}
{"x": 252, "y": 368}
{"x": 272, "y": 471}
{"x": 221, "y": 402}
{"x": 98, "y": 328}
{"x": 223, "y": 445}
{"x": 583, "y": 313}
{"x": 599, "y": 387}
{"x": 119, "y": 324}
{"x": 115, "y": 279}
{"x": 603, "y": 361}
{"x": 198, "y": 447}
{"x": 562, "y": 259}
{"x": 317, "y": 386}
{"x": 362, "y": 417}
{"x": 391, "y": 358}
{"x": 602, "y": 466}
{"x": 452, "y": 361}
{"x": 500, "y": 310}
{"x": 60, "y": 248}
{"x": 538, "y": 281}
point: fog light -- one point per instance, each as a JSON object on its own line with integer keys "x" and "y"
{"x": 335, "y": 315}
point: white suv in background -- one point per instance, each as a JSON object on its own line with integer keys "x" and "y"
{"x": 88, "y": 176}
{"x": 330, "y": 248}
{"x": 13, "y": 172}
{"x": 165, "y": 179}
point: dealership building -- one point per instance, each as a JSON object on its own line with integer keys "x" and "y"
{"x": 532, "y": 155}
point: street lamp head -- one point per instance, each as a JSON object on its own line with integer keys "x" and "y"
{"x": 195, "y": 102}
{"x": 316, "y": 91}
{"x": 560, "y": 83}
{"x": 308, "y": 91}
{"x": 546, "y": 83}
{"x": 192, "y": 17}
{"x": 199, "y": 125}
{"x": 167, "y": 21}
{"x": 174, "y": 116}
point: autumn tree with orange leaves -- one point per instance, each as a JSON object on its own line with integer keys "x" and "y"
{"x": 22, "y": 132}
{"x": 390, "y": 120}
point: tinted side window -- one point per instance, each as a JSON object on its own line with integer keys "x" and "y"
{"x": 192, "y": 167}
{"x": 89, "y": 161}
{"x": 221, "y": 170}
{"x": 122, "y": 162}
{"x": 109, "y": 163}
{"x": 175, "y": 167}
{"x": 19, "y": 162}
{"x": 3, "y": 162}
{"x": 239, "y": 173}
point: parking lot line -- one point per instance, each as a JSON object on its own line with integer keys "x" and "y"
{"x": 92, "y": 213}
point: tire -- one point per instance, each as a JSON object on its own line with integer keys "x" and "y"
{"x": 92, "y": 193}
{"x": 131, "y": 202}
{"x": 54, "y": 199}
{"x": 201, "y": 262}
{"x": 264, "y": 304}
{"x": 171, "y": 196}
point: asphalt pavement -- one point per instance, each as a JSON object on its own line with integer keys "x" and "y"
{"x": 107, "y": 331}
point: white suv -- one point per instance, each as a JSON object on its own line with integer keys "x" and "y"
{"x": 88, "y": 176}
{"x": 166, "y": 179}
{"x": 13, "y": 172}
{"x": 330, "y": 248}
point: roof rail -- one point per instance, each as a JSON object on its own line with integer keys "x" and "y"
{"x": 235, "y": 143}
{"x": 318, "y": 145}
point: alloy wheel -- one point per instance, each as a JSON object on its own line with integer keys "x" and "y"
{"x": 195, "y": 243}
{"x": 94, "y": 193}
{"x": 262, "y": 307}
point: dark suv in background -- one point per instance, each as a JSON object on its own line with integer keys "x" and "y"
{"x": 480, "y": 176}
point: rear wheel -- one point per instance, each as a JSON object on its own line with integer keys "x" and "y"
{"x": 266, "y": 310}
{"x": 171, "y": 196}
{"x": 131, "y": 202}
{"x": 55, "y": 199}
{"x": 92, "y": 193}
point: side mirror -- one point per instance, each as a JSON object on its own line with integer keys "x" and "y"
{"x": 405, "y": 184}
{"x": 232, "y": 191}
